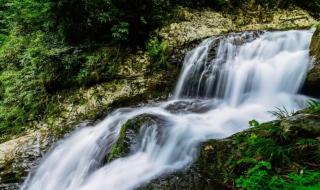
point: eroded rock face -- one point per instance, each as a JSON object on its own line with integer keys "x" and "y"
{"x": 312, "y": 84}
{"x": 20, "y": 155}
{"x": 199, "y": 24}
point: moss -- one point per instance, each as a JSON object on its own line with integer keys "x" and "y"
{"x": 123, "y": 144}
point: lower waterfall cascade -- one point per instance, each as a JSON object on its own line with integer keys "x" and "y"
{"x": 225, "y": 82}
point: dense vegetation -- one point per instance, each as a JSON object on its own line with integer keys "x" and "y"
{"x": 50, "y": 45}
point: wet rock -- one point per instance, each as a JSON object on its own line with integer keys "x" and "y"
{"x": 312, "y": 83}
{"x": 131, "y": 132}
{"x": 302, "y": 125}
{"x": 192, "y": 106}
{"x": 21, "y": 155}
{"x": 188, "y": 180}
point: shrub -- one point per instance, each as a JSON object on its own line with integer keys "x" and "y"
{"x": 158, "y": 52}
{"x": 101, "y": 65}
{"x": 120, "y": 32}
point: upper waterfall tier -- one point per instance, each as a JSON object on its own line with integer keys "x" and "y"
{"x": 245, "y": 65}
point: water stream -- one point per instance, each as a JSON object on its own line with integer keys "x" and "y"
{"x": 225, "y": 82}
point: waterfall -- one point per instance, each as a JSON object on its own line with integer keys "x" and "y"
{"x": 225, "y": 82}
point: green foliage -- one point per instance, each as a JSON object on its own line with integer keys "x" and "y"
{"x": 125, "y": 20}
{"x": 314, "y": 106}
{"x": 254, "y": 123}
{"x": 217, "y": 4}
{"x": 268, "y": 149}
{"x": 3, "y": 21}
{"x": 261, "y": 177}
{"x": 35, "y": 66}
{"x": 31, "y": 15}
{"x": 101, "y": 65}
{"x": 3, "y": 37}
{"x": 77, "y": 21}
{"x": 23, "y": 95}
{"x": 307, "y": 142}
{"x": 21, "y": 99}
{"x": 256, "y": 177}
{"x": 270, "y": 157}
{"x": 120, "y": 32}
{"x": 110, "y": 19}
{"x": 278, "y": 135}
{"x": 158, "y": 52}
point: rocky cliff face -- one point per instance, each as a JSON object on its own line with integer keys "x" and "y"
{"x": 198, "y": 24}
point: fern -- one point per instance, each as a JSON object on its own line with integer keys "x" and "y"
{"x": 261, "y": 177}
{"x": 158, "y": 52}
{"x": 314, "y": 106}
{"x": 281, "y": 113}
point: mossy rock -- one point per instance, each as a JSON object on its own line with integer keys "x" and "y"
{"x": 130, "y": 133}
{"x": 312, "y": 84}
{"x": 315, "y": 43}
{"x": 127, "y": 136}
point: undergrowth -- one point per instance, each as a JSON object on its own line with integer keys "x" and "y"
{"x": 275, "y": 158}
{"x": 262, "y": 177}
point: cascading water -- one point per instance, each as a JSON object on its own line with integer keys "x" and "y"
{"x": 225, "y": 82}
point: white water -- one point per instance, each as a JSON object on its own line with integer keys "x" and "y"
{"x": 250, "y": 75}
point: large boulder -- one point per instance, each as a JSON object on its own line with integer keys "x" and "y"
{"x": 312, "y": 84}
{"x": 18, "y": 156}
